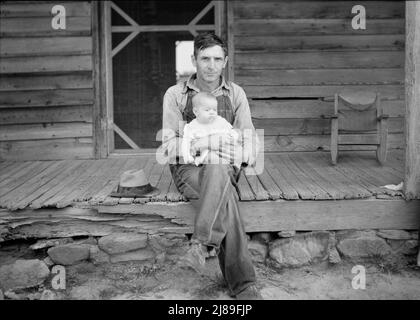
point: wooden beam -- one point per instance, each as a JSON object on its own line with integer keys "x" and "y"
{"x": 98, "y": 131}
{"x": 298, "y": 215}
{"x": 107, "y": 93}
{"x": 230, "y": 40}
{"x": 412, "y": 98}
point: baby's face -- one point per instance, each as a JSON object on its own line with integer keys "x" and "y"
{"x": 206, "y": 110}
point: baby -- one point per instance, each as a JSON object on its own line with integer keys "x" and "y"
{"x": 206, "y": 123}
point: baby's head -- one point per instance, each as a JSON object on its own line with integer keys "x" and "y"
{"x": 204, "y": 107}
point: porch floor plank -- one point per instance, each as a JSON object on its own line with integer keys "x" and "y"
{"x": 256, "y": 186}
{"x": 22, "y": 177}
{"x": 289, "y": 193}
{"x": 32, "y": 188}
{"x": 72, "y": 182}
{"x": 313, "y": 167}
{"x": 292, "y": 177}
{"x": 85, "y": 182}
{"x": 50, "y": 185}
{"x": 245, "y": 191}
{"x": 286, "y": 176}
{"x": 348, "y": 186}
{"x": 270, "y": 185}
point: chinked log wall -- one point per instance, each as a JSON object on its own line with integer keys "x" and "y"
{"x": 291, "y": 56}
{"x": 46, "y": 82}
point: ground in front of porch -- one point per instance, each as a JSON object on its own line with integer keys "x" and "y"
{"x": 139, "y": 281}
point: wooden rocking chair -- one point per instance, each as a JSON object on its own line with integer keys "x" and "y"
{"x": 359, "y": 120}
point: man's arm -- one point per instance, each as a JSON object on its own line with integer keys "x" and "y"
{"x": 244, "y": 123}
{"x": 186, "y": 146}
{"x": 173, "y": 125}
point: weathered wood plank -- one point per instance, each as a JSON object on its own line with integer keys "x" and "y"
{"x": 46, "y": 115}
{"x": 46, "y": 64}
{"x": 244, "y": 190}
{"x": 351, "y": 42}
{"x": 41, "y": 27}
{"x": 304, "y": 177}
{"x": 269, "y": 109}
{"x": 73, "y": 9}
{"x": 17, "y": 175}
{"x": 319, "y": 143}
{"x": 45, "y": 98}
{"x": 310, "y": 166}
{"x": 269, "y": 184}
{"x": 412, "y": 94}
{"x": 316, "y": 9}
{"x": 256, "y": 186}
{"x": 21, "y": 179}
{"x": 12, "y": 199}
{"x": 9, "y": 171}
{"x": 388, "y": 92}
{"x": 84, "y": 182}
{"x": 319, "y": 77}
{"x": 45, "y": 131}
{"x": 78, "y": 80}
{"x": 314, "y": 26}
{"x": 319, "y": 60}
{"x": 288, "y": 191}
{"x": 33, "y": 47}
{"x": 301, "y": 188}
{"x": 53, "y": 183}
{"x": 275, "y": 126}
{"x": 260, "y": 216}
{"x": 66, "y": 184}
{"x": 53, "y": 149}
{"x": 350, "y": 187}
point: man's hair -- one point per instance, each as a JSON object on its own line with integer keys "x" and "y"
{"x": 206, "y": 40}
{"x": 201, "y": 95}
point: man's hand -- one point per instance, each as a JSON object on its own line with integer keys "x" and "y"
{"x": 215, "y": 142}
{"x": 249, "y": 156}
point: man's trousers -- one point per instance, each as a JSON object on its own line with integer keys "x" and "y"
{"x": 212, "y": 190}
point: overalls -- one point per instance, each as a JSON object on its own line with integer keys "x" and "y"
{"x": 212, "y": 190}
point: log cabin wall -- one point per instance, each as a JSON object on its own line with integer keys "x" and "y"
{"x": 292, "y": 56}
{"x": 46, "y": 82}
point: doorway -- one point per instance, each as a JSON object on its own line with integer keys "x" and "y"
{"x": 149, "y": 50}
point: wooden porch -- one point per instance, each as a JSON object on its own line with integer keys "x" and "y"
{"x": 296, "y": 191}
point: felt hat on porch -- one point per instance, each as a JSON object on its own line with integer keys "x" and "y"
{"x": 134, "y": 184}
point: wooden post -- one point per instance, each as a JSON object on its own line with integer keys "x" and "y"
{"x": 230, "y": 41}
{"x": 107, "y": 97}
{"x": 99, "y": 131}
{"x": 412, "y": 100}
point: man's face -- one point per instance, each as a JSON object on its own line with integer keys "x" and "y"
{"x": 206, "y": 110}
{"x": 210, "y": 63}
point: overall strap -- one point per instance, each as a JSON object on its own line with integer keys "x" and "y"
{"x": 224, "y": 107}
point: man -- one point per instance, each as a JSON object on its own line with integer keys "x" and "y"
{"x": 212, "y": 188}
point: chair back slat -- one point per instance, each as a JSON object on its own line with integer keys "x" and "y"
{"x": 357, "y": 117}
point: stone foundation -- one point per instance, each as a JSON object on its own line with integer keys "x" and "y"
{"x": 283, "y": 249}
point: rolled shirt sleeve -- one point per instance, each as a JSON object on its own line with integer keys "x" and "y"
{"x": 243, "y": 120}
{"x": 172, "y": 124}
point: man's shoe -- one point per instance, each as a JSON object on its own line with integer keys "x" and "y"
{"x": 250, "y": 293}
{"x": 195, "y": 258}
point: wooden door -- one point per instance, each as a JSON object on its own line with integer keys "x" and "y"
{"x": 139, "y": 44}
